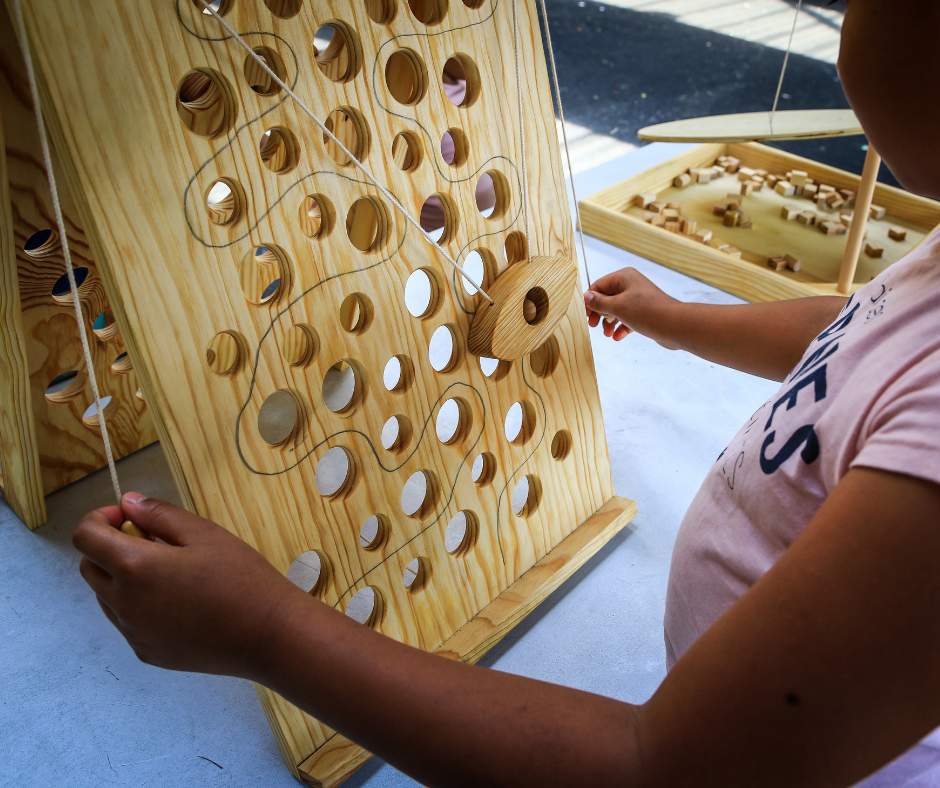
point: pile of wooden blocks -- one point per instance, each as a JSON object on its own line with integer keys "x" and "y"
{"x": 731, "y": 213}
{"x": 668, "y": 215}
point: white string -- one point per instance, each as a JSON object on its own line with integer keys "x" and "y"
{"x": 60, "y": 221}
{"x": 786, "y": 59}
{"x": 307, "y": 111}
{"x": 525, "y": 175}
{"x": 564, "y": 135}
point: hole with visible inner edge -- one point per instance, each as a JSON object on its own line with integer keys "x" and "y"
{"x": 335, "y": 475}
{"x": 461, "y": 533}
{"x": 535, "y": 306}
{"x": 519, "y": 425}
{"x": 461, "y": 80}
{"x": 226, "y": 353}
{"x": 317, "y": 216}
{"x": 454, "y": 419}
{"x": 62, "y": 290}
{"x": 109, "y": 406}
{"x": 280, "y": 418}
{"x": 343, "y": 387}
{"x": 284, "y": 9}
{"x": 422, "y": 293}
{"x": 455, "y": 147}
{"x": 398, "y": 373}
{"x": 367, "y": 606}
{"x": 381, "y": 11}
{"x": 258, "y": 78}
{"x": 443, "y": 349}
{"x": 483, "y": 469}
{"x": 310, "y": 572}
{"x": 417, "y": 574}
{"x": 122, "y": 364}
{"x": 221, "y": 7}
{"x": 279, "y": 149}
{"x": 428, "y": 12}
{"x": 105, "y": 326}
{"x": 406, "y": 77}
{"x": 225, "y": 202}
{"x": 356, "y": 313}
{"x": 561, "y": 445}
{"x": 419, "y": 494}
{"x": 480, "y": 265}
{"x": 42, "y": 243}
{"x": 495, "y": 369}
{"x": 544, "y": 359}
{"x": 265, "y": 274}
{"x": 348, "y": 126}
{"x": 407, "y": 151}
{"x": 367, "y": 224}
{"x": 492, "y": 194}
{"x": 301, "y": 344}
{"x": 396, "y": 434}
{"x": 516, "y": 247}
{"x": 205, "y": 103}
{"x": 65, "y": 387}
{"x": 337, "y": 51}
{"x": 439, "y": 218}
{"x": 526, "y": 495}
{"x": 374, "y": 532}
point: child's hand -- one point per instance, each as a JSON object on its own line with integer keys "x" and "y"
{"x": 630, "y": 298}
{"x": 204, "y": 602}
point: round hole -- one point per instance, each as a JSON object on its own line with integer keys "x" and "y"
{"x": 396, "y": 434}
{"x": 140, "y": 395}
{"x": 265, "y": 274}
{"x": 483, "y": 469}
{"x": 62, "y": 290}
{"x": 205, "y": 103}
{"x": 422, "y": 293}
{"x": 351, "y": 129}
{"x": 109, "y": 407}
{"x": 526, "y": 496}
{"x": 381, "y": 11}
{"x": 544, "y": 359}
{"x": 278, "y": 418}
{"x": 310, "y": 571}
{"x": 300, "y": 345}
{"x": 407, "y": 151}
{"x": 492, "y": 195}
{"x": 317, "y": 216}
{"x": 226, "y": 353}
{"x": 284, "y": 9}
{"x": 374, "y": 532}
{"x": 535, "y": 306}
{"x": 443, "y": 351}
{"x": 42, "y": 243}
{"x": 428, "y": 12}
{"x": 279, "y": 149}
{"x": 494, "y": 369}
{"x": 355, "y": 313}
{"x": 419, "y": 495}
{"x": 398, "y": 373}
{"x": 337, "y": 51}
{"x": 258, "y": 77}
{"x": 66, "y": 386}
{"x": 561, "y": 445}
{"x": 105, "y": 327}
{"x": 520, "y": 422}
{"x": 367, "y": 224}
{"x": 224, "y": 202}
{"x": 335, "y": 473}
{"x": 474, "y": 3}
{"x": 342, "y": 388}
{"x": 480, "y": 265}
{"x": 406, "y": 76}
{"x": 453, "y": 421}
{"x": 455, "y": 147}
{"x": 439, "y": 218}
{"x": 367, "y": 607}
{"x": 461, "y": 533}
{"x": 461, "y": 79}
{"x": 416, "y": 574}
{"x": 122, "y": 364}
{"x": 516, "y": 247}
{"x": 221, "y": 7}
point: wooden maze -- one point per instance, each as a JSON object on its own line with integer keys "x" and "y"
{"x": 348, "y": 435}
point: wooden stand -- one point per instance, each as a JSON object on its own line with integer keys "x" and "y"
{"x": 853, "y": 246}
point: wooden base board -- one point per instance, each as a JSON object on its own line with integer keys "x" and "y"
{"x": 338, "y": 758}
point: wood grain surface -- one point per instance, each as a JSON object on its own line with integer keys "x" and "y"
{"x": 798, "y": 124}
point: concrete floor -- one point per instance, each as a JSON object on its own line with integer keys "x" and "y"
{"x": 79, "y": 709}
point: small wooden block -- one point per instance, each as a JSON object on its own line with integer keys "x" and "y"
{"x": 745, "y": 174}
{"x": 874, "y": 250}
{"x": 808, "y": 218}
{"x": 877, "y": 212}
{"x": 810, "y": 190}
{"x": 777, "y": 263}
{"x": 832, "y": 228}
{"x": 670, "y": 213}
{"x": 682, "y": 181}
{"x": 718, "y": 209}
{"x": 758, "y": 185}
{"x": 734, "y": 252}
{"x": 656, "y": 206}
{"x": 834, "y": 201}
{"x": 703, "y": 236}
{"x": 734, "y": 199}
{"x": 747, "y": 187}
{"x": 657, "y": 220}
{"x": 732, "y": 218}
{"x": 689, "y": 227}
{"x": 674, "y": 206}
{"x": 672, "y": 225}
{"x": 825, "y": 189}
{"x": 644, "y": 199}
{"x": 733, "y": 165}
{"x": 793, "y": 263}
{"x": 846, "y": 218}
{"x": 649, "y": 216}
{"x": 897, "y": 233}
{"x": 848, "y": 195}
{"x": 797, "y": 177}
{"x": 746, "y": 222}
{"x": 719, "y": 170}
{"x": 785, "y": 188}
{"x": 789, "y": 212}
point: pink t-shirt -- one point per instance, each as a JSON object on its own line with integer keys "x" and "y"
{"x": 866, "y": 393}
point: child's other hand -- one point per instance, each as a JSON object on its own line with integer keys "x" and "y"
{"x": 630, "y": 298}
{"x": 205, "y": 601}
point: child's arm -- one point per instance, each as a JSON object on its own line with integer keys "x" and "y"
{"x": 792, "y": 686}
{"x": 763, "y": 339}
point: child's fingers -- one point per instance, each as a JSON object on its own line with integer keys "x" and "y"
{"x": 99, "y": 540}
{"x": 621, "y": 332}
{"x": 100, "y": 581}
{"x": 114, "y": 514}
{"x": 173, "y": 525}
{"x": 609, "y": 328}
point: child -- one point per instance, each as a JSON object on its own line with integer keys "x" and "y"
{"x": 803, "y": 613}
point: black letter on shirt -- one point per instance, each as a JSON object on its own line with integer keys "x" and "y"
{"x": 805, "y": 434}
{"x": 817, "y": 377}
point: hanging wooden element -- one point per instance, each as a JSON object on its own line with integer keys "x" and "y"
{"x": 801, "y": 124}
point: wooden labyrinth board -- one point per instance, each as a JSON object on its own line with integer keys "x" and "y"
{"x": 346, "y": 434}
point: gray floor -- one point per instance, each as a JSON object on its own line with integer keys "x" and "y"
{"x": 78, "y": 708}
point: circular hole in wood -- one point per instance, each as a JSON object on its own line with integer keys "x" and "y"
{"x": 337, "y": 51}
{"x": 526, "y": 495}
{"x": 461, "y": 79}
{"x": 265, "y": 274}
{"x": 105, "y": 327}
{"x": 367, "y": 606}
{"x": 492, "y": 194}
{"x": 221, "y": 7}
{"x": 455, "y": 147}
{"x": 453, "y": 421}
{"x": 544, "y": 359}
{"x": 374, "y": 532}
{"x": 417, "y": 574}
{"x": 381, "y": 11}
{"x": 480, "y": 265}
{"x": 398, "y": 373}
{"x": 140, "y": 395}
{"x": 310, "y": 571}
{"x": 428, "y": 12}
{"x": 109, "y": 406}
{"x": 474, "y": 3}
{"x": 483, "y": 469}
{"x": 336, "y": 473}
{"x": 205, "y": 103}
{"x": 42, "y": 243}
{"x": 122, "y": 364}
{"x": 284, "y": 9}
{"x": 278, "y": 418}
{"x": 419, "y": 495}
{"x": 226, "y": 353}
{"x": 225, "y": 201}
{"x": 355, "y": 313}
{"x": 516, "y": 247}
{"x": 342, "y": 387}
{"x": 258, "y": 78}
{"x": 561, "y": 445}
{"x": 367, "y": 224}
{"x": 406, "y": 77}
{"x": 66, "y": 386}
{"x": 535, "y": 306}
{"x": 494, "y": 369}
{"x": 407, "y": 151}
{"x": 300, "y": 345}
{"x": 422, "y": 293}
{"x": 443, "y": 351}
{"x": 62, "y": 289}
{"x": 396, "y": 434}
{"x": 439, "y": 218}
{"x": 348, "y": 126}
{"x": 317, "y": 216}
{"x": 461, "y": 533}
{"x": 520, "y": 422}
{"x": 279, "y": 150}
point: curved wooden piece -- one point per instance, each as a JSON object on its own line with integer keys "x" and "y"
{"x": 756, "y": 127}
{"x": 529, "y": 300}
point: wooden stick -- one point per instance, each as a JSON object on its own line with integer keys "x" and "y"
{"x": 853, "y": 246}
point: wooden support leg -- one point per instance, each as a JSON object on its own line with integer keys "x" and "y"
{"x": 853, "y": 246}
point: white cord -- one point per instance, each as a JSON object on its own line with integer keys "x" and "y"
{"x": 385, "y": 192}
{"x": 786, "y": 59}
{"x": 47, "y": 158}
{"x": 525, "y": 175}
